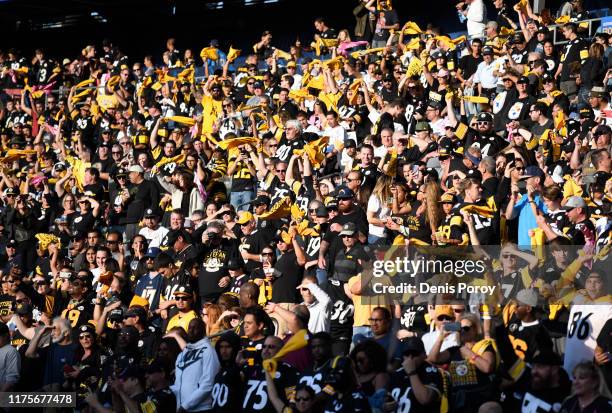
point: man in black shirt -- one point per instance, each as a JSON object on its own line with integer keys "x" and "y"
{"x": 469, "y": 63}
{"x": 215, "y": 252}
{"x": 288, "y": 270}
{"x": 141, "y": 195}
{"x": 574, "y": 52}
{"x": 252, "y": 243}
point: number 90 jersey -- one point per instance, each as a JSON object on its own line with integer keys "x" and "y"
{"x": 584, "y": 325}
{"x": 227, "y": 391}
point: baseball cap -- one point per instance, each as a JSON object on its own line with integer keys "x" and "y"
{"x": 472, "y": 158}
{"x": 421, "y": 126}
{"x": 485, "y": 117}
{"x": 437, "y": 55}
{"x": 350, "y": 143}
{"x": 587, "y": 113}
{"x": 149, "y": 213}
{"x": 23, "y": 309}
{"x": 413, "y": 345}
{"x": 152, "y": 252}
{"x": 244, "y": 217}
{"x": 444, "y": 309}
{"x": 262, "y": 199}
{"x": 136, "y": 168}
{"x": 87, "y": 328}
{"x": 598, "y": 91}
{"x": 531, "y": 171}
{"x": 528, "y": 297}
{"x": 136, "y": 311}
{"x": 11, "y": 191}
{"x": 348, "y": 229}
{"x": 291, "y": 63}
{"x": 448, "y": 198}
{"x": 331, "y": 204}
{"x": 523, "y": 80}
{"x": 116, "y": 314}
{"x": 235, "y": 264}
{"x": 574, "y": 202}
{"x": 487, "y": 50}
{"x": 547, "y": 78}
{"x": 184, "y": 290}
{"x": 344, "y": 193}
{"x": 258, "y": 84}
{"x": 12, "y": 243}
{"x": 321, "y": 211}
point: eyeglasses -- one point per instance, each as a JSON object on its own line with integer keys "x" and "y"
{"x": 303, "y": 399}
{"x": 111, "y": 241}
{"x": 352, "y": 179}
{"x": 227, "y": 105}
{"x": 84, "y": 201}
{"x": 273, "y": 145}
{"x": 506, "y": 256}
{"x": 519, "y": 168}
{"x": 10, "y": 196}
{"x": 116, "y": 153}
{"x": 482, "y": 122}
{"x": 346, "y": 236}
{"x": 267, "y": 253}
{"x": 250, "y": 83}
{"x": 445, "y": 318}
{"x": 312, "y": 211}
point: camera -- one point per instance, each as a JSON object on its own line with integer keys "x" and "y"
{"x": 213, "y": 236}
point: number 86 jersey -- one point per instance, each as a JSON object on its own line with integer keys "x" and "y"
{"x": 584, "y": 325}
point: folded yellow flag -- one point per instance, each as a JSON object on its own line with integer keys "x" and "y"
{"x": 481, "y": 210}
{"x": 15, "y": 154}
{"x": 235, "y": 142}
{"x": 521, "y": 5}
{"x": 182, "y": 120}
{"x": 475, "y": 99}
{"x": 298, "y": 341}
{"x": 300, "y": 94}
{"x": 279, "y": 210}
{"x": 138, "y": 300}
{"x": 562, "y": 20}
{"x": 210, "y": 53}
{"x": 80, "y": 95}
{"x": 316, "y": 82}
{"x": 415, "y": 67}
{"x": 413, "y": 44}
{"x": 44, "y": 240}
{"x": 361, "y": 53}
{"x": 112, "y": 82}
{"x": 334, "y": 63}
{"x": 107, "y": 102}
{"x": 283, "y": 55}
{"x": 506, "y": 31}
{"x": 411, "y": 28}
{"x": 233, "y": 54}
{"x": 314, "y": 150}
{"x": 85, "y": 83}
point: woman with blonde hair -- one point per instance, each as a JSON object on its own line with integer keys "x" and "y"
{"x": 345, "y": 43}
{"x": 210, "y": 315}
{"x": 590, "y": 393}
{"x": 379, "y": 208}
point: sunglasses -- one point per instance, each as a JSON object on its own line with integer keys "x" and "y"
{"x": 116, "y": 153}
{"x": 445, "y": 318}
{"x": 303, "y": 399}
{"x": 267, "y": 253}
{"x": 85, "y": 336}
{"x": 281, "y": 170}
{"x": 110, "y": 241}
{"x": 273, "y": 146}
{"x": 465, "y": 329}
{"x": 183, "y": 298}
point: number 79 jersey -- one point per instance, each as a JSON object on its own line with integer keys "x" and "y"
{"x": 584, "y": 325}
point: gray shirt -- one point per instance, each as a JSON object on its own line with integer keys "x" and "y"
{"x": 10, "y": 364}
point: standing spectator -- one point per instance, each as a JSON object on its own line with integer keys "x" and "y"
{"x": 475, "y": 12}
{"x": 10, "y": 361}
{"x": 195, "y": 371}
{"x": 141, "y": 194}
{"x": 386, "y": 20}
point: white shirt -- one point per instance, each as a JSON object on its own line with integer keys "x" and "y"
{"x": 429, "y": 339}
{"x": 337, "y": 135}
{"x": 380, "y": 212}
{"x": 154, "y": 236}
{"x": 319, "y": 310}
{"x": 484, "y": 75}
{"x": 476, "y": 18}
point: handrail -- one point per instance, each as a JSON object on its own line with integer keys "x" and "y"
{"x": 553, "y": 28}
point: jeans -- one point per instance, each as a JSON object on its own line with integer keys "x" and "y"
{"x": 239, "y": 200}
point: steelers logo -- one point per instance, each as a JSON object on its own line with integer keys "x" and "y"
{"x": 461, "y": 370}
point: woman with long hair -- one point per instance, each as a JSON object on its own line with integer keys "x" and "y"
{"x": 591, "y": 71}
{"x": 210, "y": 316}
{"x": 590, "y": 393}
{"x": 370, "y": 360}
{"x": 379, "y": 208}
{"x": 90, "y": 258}
{"x": 472, "y": 364}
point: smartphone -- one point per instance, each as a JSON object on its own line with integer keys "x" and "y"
{"x": 510, "y": 157}
{"x": 452, "y": 326}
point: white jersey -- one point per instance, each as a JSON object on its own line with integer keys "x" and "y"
{"x": 584, "y": 325}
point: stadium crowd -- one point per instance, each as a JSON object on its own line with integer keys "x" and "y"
{"x": 196, "y": 233}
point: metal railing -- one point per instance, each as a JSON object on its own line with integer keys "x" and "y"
{"x": 591, "y": 29}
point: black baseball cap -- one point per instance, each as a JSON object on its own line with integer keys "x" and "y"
{"x": 344, "y": 193}
{"x": 413, "y": 345}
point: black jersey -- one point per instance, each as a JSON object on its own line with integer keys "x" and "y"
{"x": 353, "y": 402}
{"x": 228, "y": 391}
{"x": 413, "y": 318}
{"x": 513, "y": 282}
{"x": 256, "y": 394}
{"x": 286, "y": 147}
{"x": 318, "y": 377}
{"x": 341, "y": 318}
{"x": 78, "y": 313}
{"x": 402, "y": 393}
{"x": 528, "y": 339}
{"x": 158, "y": 401}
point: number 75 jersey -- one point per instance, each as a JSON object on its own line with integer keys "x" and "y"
{"x": 584, "y": 325}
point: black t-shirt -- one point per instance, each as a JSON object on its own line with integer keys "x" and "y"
{"x": 253, "y": 244}
{"x": 342, "y": 313}
{"x": 286, "y": 147}
{"x": 604, "y": 340}
{"x": 84, "y": 223}
{"x": 468, "y": 65}
{"x": 287, "y": 276}
{"x": 214, "y": 267}
{"x": 355, "y": 402}
{"x": 574, "y": 51}
{"x": 530, "y": 339}
{"x": 142, "y": 196}
{"x": 389, "y": 17}
{"x": 242, "y": 179}
{"x": 161, "y": 400}
{"x": 600, "y": 404}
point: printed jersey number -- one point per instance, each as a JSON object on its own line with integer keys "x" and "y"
{"x": 403, "y": 402}
{"x": 579, "y": 326}
{"x": 220, "y": 393}
{"x": 72, "y": 316}
{"x": 313, "y": 382}
{"x": 258, "y": 389}
{"x": 342, "y": 311}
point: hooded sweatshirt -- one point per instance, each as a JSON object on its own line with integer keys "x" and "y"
{"x": 196, "y": 367}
